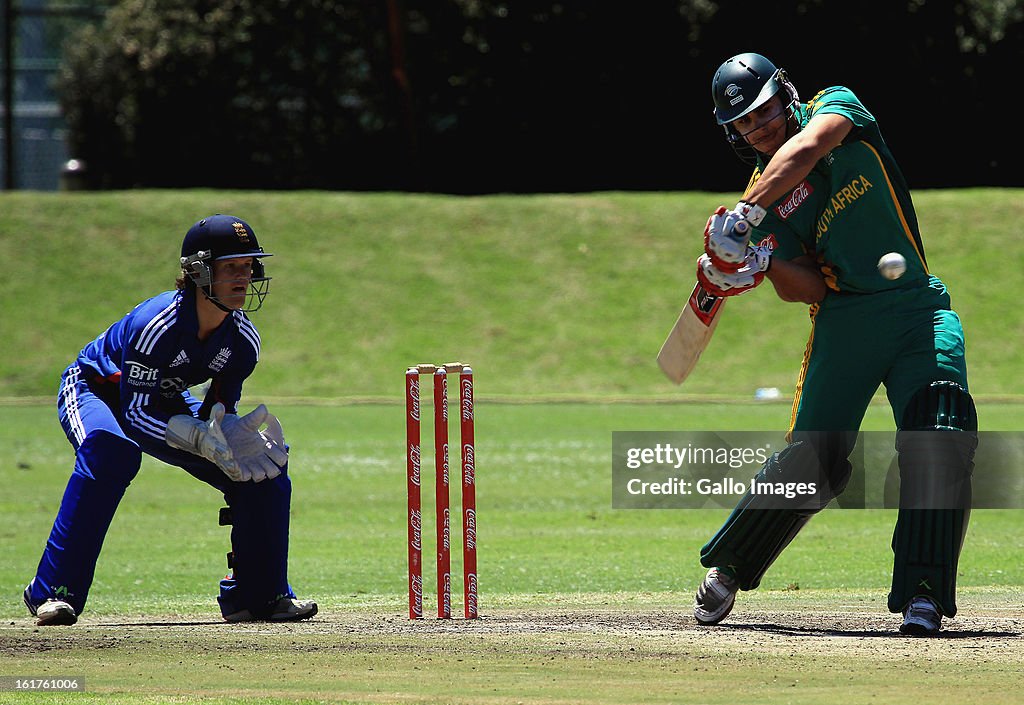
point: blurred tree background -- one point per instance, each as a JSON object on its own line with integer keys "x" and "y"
{"x": 480, "y": 96}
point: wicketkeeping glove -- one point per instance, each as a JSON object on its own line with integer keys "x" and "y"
{"x": 203, "y": 438}
{"x": 260, "y": 454}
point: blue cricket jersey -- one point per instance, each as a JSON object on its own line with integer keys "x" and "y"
{"x": 154, "y": 355}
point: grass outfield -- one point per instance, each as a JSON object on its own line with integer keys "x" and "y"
{"x": 579, "y": 602}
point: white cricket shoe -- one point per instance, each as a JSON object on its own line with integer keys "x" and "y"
{"x": 715, "y": 597}
{"x": 922, "y": 617}
{"x": 286, "y": 609}
{"x": 55, "y": 613}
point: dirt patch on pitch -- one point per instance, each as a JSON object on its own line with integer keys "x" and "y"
{"x": 993, "y": 635}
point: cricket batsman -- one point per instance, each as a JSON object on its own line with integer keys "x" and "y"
{"x": 826, "y": 201}
{"x": 127, "y": 394}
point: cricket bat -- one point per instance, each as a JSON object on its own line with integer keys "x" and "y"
{"x": 694, "y": 327}
{"x": 690, "y": 335}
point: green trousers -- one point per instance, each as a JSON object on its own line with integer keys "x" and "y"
{"x": 902, "y": 339}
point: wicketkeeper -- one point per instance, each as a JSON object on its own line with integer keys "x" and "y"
{"x": 825, "y": 202}
{"x": 128, "y": 394}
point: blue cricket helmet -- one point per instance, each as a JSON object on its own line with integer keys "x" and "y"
{"x": 220, "y": 237}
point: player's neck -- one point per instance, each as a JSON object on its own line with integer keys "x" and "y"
{"x": 209, "y": 315}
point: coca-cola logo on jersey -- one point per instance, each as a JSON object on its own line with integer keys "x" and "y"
{"x": 799, "y": 195}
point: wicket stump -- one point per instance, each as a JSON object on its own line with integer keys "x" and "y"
{"x": 441, "y": 488}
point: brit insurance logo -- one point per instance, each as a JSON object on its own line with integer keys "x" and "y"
{"x": 141, "y": 376}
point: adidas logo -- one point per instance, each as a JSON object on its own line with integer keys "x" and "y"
{"x": 181, "y": 359}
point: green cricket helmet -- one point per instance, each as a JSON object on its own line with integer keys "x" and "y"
{"x": 744, "y": 83}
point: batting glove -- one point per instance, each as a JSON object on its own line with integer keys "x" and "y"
{"x": 722, "y": 283}
{"x": 203, "y": 438}
{"x": 759, "y": 258}
{"x": 751, "y": 212}
{"x": 260, "y": 454}
{"x": 726, "y": 238}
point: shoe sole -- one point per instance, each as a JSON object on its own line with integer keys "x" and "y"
{"x": 716, "y": 620}
{"x": 712, "y": 622}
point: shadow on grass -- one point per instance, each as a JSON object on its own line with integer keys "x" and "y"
{"x": 220, "y": 623}
{"x": 789, "y": 630}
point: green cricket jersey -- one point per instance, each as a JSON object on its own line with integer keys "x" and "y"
{"x": 851, "y": 209}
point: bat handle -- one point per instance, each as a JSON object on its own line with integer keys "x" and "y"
{"x": 742, "y": 227}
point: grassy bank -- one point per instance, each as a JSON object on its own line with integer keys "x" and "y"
{"x": 547, "y": 294}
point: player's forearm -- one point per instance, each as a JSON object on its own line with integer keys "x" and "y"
{"x": 790, "y": 165}
{"x": 797, "y": 281}
{"x": 797, "y": 157}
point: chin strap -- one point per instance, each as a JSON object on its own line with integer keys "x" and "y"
{"x": 215, "y": 301}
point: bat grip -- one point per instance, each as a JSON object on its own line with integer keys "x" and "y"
{"x": 742, "y": 227}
